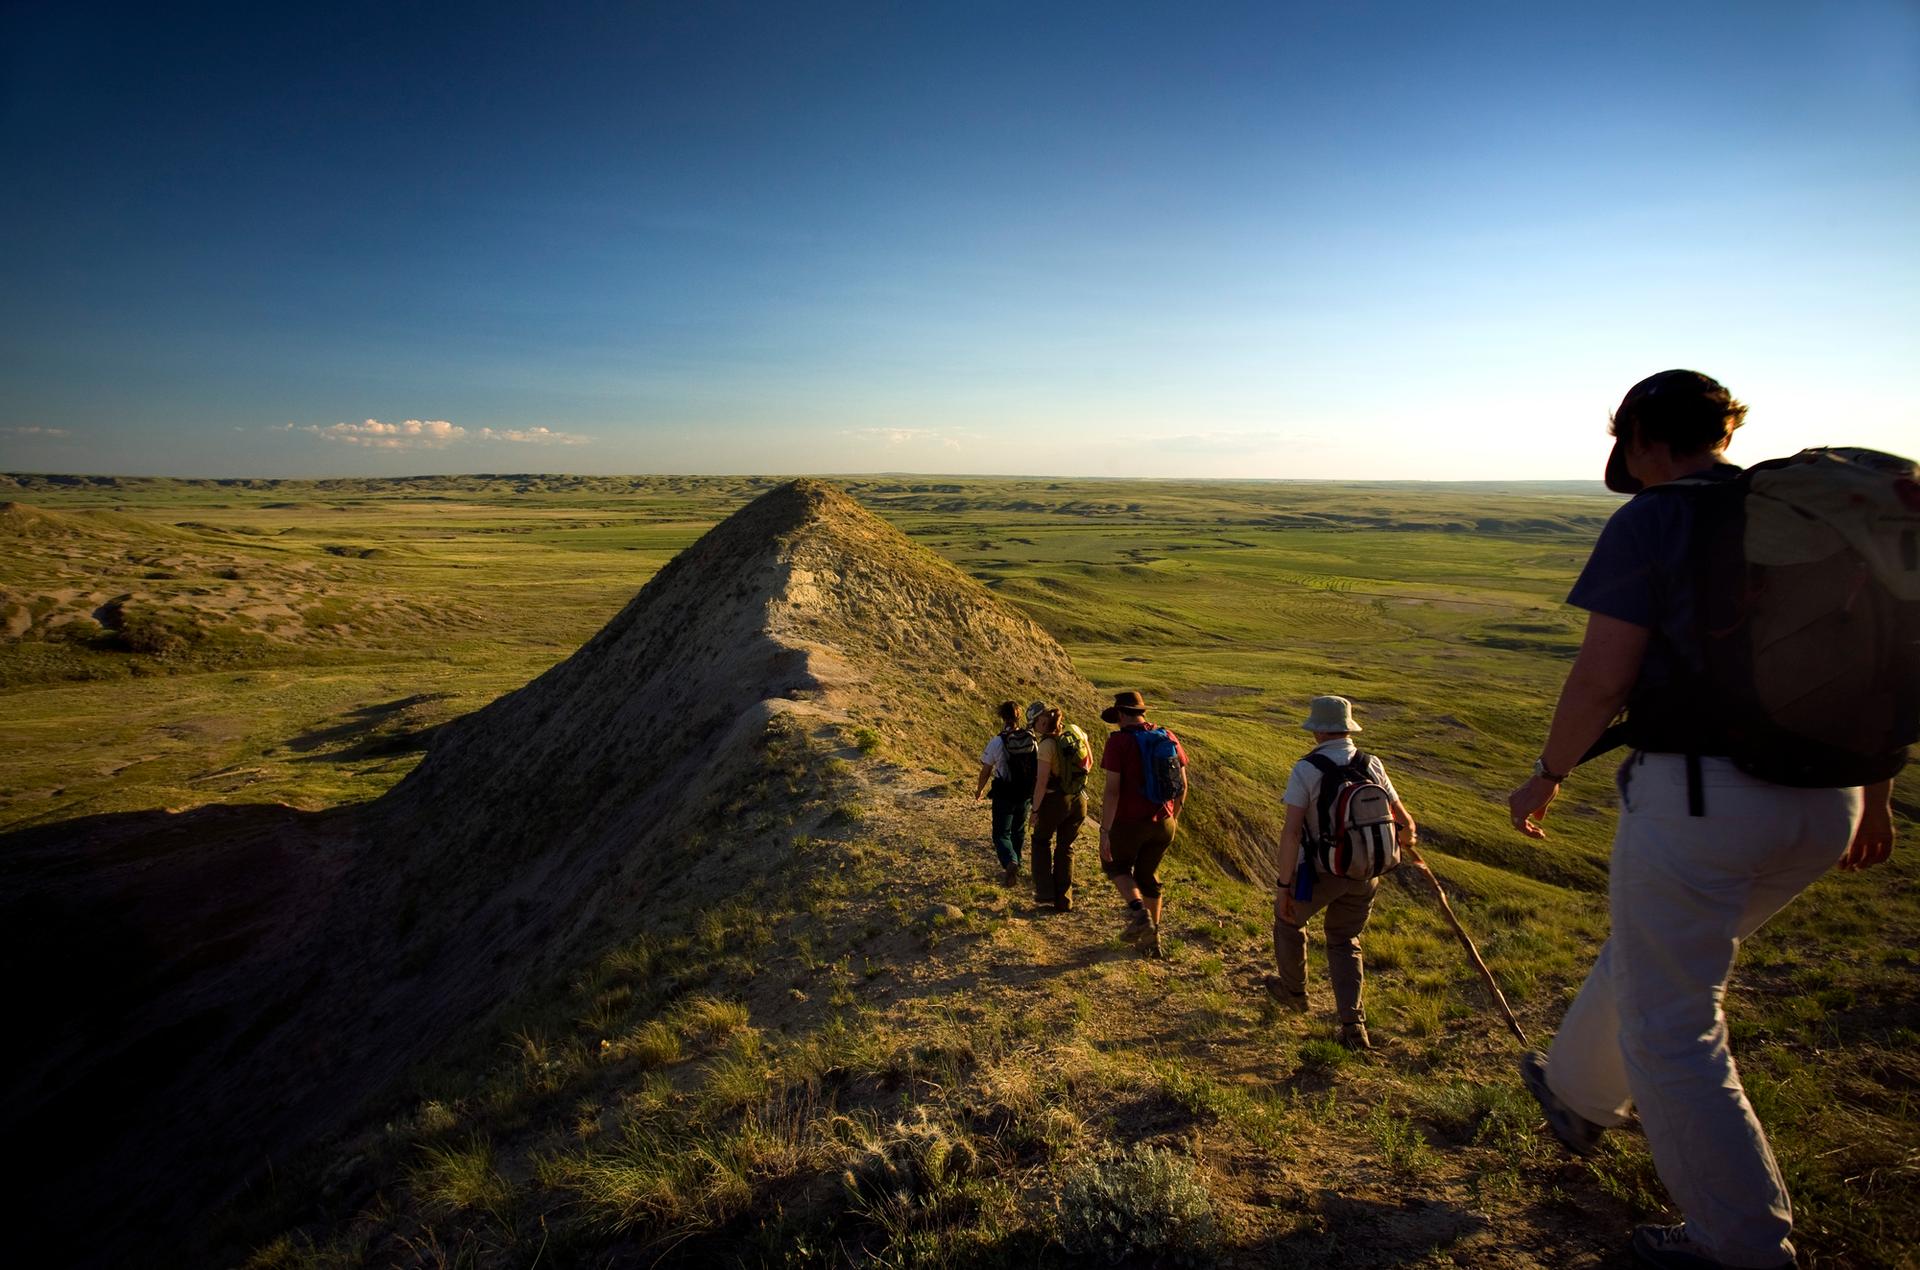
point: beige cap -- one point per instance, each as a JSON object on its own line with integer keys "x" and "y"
{"x": 1331, "y": 714}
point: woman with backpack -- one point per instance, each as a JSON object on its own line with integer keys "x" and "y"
{"x": 1720, "y": 825}
{"x": 1064, "y": 757}
{"x": 1006, "y": 768}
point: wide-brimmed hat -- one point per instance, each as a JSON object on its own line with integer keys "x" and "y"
{"x": 1128, "y": 703}
{"x": 1331, "y": 714}
{"x": 1035, "y": 710}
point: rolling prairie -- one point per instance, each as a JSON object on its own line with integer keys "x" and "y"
{"x": 172, "y": 643}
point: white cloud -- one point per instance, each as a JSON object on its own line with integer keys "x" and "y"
{"x": 532, "y": 436}
{"x": 432, "y": 434}
{"x": 410, "y": 434}
{"x": 904, "y": 436}
{"x": 34, "y": 431}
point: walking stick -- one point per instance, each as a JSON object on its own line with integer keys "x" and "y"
{"x": 1473, "y": 954}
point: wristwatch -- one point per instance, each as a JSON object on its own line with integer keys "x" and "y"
{"x": 1544, "y": 772}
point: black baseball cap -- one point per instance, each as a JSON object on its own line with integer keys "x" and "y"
{"x": 1668, "y": 383}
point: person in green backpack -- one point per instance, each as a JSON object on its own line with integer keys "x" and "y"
{"x": 1059, "y": 802}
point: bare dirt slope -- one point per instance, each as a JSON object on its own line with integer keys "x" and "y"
{"x": 211, "y": 990}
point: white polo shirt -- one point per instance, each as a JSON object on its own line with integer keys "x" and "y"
{"x": 995, "y": 756}
{"x": 1303, "y": 786}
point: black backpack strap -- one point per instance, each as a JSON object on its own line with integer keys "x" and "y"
{"x": 1612, "y": 739}
{"x": 1328, "y": 770}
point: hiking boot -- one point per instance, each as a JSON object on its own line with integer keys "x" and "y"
{"x": 1138, "y": 927}
{"x": 1670, "y": 1248}
{"x": 1354, "y": 1036}
{"x": 1576, "y": 1133}
{"x": 1151, "y": 944}
{"x": 1063, "y": 904}
{"x": 1012, "y": 875}
{"x": 1043, "y": 897}
{"x": 1294, "y": 1002}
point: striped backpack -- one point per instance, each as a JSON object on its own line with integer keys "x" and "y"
{"x": 1353, "y": 835}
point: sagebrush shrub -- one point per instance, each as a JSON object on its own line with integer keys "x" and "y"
{"x": 1142, "y": 1201}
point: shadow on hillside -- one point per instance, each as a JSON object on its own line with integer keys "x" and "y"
{"x": 146, "y": 954}
{"x": 368, "y": 730}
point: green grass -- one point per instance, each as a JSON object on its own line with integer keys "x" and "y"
{"x": 1437, "y": 609}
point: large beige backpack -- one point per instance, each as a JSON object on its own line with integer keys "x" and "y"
{"x": 1806, "y": 576}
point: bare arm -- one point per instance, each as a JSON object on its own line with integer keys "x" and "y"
{"x": 986, "y": 779}
{"x": 1873, "y": 840}
{"x": 1410, "y": 833}
{"x": 1042, "y": 768}
{"x": 1596, "y": 688}
{"x": 1290, "y": 835}
{"x": 1109, "y": 808}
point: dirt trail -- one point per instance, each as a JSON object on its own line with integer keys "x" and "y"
{"x": 1326, "y": 1195}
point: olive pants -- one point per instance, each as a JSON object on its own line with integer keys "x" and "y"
{"x": 1058, "y": 823}
{"x": 1348, "y": 903}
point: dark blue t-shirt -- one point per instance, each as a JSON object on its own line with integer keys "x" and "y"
{"x": 1640, "y": 572}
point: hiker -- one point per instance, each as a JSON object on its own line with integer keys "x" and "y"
{"x": 1063, "y": 759}
{"x": 1147, "y": 784}
{"x": 1006, "y": 768}
{"x": 1704, "y": 852}
{"x": 1335, "y": 794}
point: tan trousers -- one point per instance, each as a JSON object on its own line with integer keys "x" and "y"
{"x": 1348, "y": 904}
{"x": 1649, "y": 1031}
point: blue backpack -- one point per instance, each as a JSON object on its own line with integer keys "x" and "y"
{"x": 1160, "y": 760}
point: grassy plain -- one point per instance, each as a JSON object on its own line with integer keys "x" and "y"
{"x": 1437, "y": 609}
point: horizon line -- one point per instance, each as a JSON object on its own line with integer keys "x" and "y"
{"x": 1596, "y": 482}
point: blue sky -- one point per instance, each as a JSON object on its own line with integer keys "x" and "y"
{"x": 1340, "y": 240}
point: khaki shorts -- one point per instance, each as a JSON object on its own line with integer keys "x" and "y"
{"x": 1138, "y": 846}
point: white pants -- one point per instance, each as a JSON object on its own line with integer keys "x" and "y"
{"x": 1647, "y": 1029}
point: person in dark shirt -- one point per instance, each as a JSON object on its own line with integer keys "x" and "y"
{"x": 1134, "y": 831}
{"x": 1703, "y": 855}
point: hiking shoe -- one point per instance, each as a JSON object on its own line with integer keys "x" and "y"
{"x": 1138, "y": 927}
{"x": 1296, "y": 1002}
{"x": 1576, "y": 1133}
{"x": 1671, "y": 1248}
{"x": 1151, "y": 944}
{"x": 1354, "y": 1036}
{"x": 1064, "y": 904}
{"x": 1012, "y": 874}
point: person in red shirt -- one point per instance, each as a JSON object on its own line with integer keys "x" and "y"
{"x": 1135, "y": 833}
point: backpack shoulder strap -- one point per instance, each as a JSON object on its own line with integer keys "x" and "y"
{"x": 1329, "y": 771}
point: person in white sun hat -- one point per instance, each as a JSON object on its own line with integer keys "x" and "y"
{"x": 1334, "y": 766}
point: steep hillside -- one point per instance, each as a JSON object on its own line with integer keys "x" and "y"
{"x": 251, "y": 976}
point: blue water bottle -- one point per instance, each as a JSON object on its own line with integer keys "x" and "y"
{"x": 1303, "y": 880}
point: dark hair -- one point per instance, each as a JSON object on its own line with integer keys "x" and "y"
{"x": 1010, "y": 713}
{"x": 1691, "y": 412}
